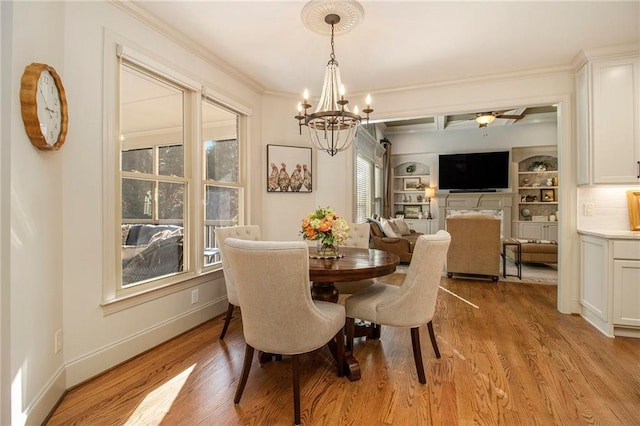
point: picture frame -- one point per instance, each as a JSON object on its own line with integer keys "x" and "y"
{"x": 547, "y": 195}
{"x": 633, "y": 201}
{"x": 412, "y": 211}
{"x": 289, "y": 169}
{"x": 411, "y": 184}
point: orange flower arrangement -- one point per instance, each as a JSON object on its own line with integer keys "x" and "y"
{"x": 325, "y": 225}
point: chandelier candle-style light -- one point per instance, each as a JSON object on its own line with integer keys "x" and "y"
{"x": 332, "y": 127}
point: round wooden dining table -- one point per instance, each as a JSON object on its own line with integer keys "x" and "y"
{"x": 356, "y": 264}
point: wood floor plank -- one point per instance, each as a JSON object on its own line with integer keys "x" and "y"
{"x": 511, "y": 360}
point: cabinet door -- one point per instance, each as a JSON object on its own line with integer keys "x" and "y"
{"x": 418, "y": 225}
{"x": 531, "y": 230}
{"x": 616, "y": 121}
{"x": 551, "y": 231}
{"x": 626, "y": 292}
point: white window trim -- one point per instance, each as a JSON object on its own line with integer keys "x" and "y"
{"x": 113, "y": 299}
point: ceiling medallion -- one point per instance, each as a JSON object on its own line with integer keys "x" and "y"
{"x": 332, "y": 127}
{"x": 350, "y": 15}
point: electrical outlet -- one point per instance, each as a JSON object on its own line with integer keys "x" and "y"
{"x": 588, "y": 209}
{"x": 57, "y": 338}
{"x": 194, "y": 296}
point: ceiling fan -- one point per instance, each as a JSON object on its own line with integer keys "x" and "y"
{"x": 484, "y": 118}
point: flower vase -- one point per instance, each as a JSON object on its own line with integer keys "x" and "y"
{"x": 326, "y": 249}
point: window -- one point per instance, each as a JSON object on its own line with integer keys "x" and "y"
{"x": 171, "y": 189}
{"x": 364, "y": 189}
{"x": 222, "y": 190}
{"x": 153, "y": 183}
{"x": 368, "y": 175}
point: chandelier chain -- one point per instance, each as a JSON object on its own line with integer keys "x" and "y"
{"x": 332, "y": 56}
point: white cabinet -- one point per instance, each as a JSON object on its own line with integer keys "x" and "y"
{"x": 610, "y": 284}
{"x": 626, "y": 283}
{"x": 538, "y": 230}
{"x": 422, "y": 225}
{"x": 608, "y": 119}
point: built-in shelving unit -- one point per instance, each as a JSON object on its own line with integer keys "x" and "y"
{"x": 537, "y": 183}
{"x": 407, "y": 198}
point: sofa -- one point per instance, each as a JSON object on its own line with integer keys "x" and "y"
{"x": 401, "y": 240}
{"x": 475, "y": 245}
{"x": 150, "y": 251}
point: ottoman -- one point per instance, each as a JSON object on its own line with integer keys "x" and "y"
{"x": 534, "y": 251}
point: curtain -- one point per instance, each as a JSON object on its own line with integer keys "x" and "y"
{"x": 387, "y": 202}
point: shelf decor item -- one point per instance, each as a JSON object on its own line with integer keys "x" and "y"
{"x": 411, "y": 211}
{"x": 547, "y": 195}
{"x": 539, "y": 166}
{"x": 411, "y": 184}
{"x": 327, "y": 228}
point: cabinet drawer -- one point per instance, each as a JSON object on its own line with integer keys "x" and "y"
{"x": 626, "y": 250}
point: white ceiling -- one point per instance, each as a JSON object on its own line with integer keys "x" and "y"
{"x": 399, "y": 43}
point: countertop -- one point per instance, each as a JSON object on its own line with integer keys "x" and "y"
{"x": 611, "y": 233}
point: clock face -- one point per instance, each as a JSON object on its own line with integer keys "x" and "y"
{"x": 49, "y": 107}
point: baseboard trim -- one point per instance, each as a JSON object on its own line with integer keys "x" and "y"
{"x": 93, "y": 364}
{"x": 90, "y": 365}
{"x": 47, "y": 400}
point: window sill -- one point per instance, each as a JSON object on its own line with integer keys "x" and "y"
{"x": 144, "y": 296}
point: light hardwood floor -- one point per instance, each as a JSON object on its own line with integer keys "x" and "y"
{"x": 513, "y": 360}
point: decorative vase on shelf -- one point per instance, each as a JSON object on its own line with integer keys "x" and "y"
{"x": 326, "y": 249}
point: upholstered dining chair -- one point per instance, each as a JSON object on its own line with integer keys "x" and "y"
{"x": 411, "y": 304}
{"x": 358, "y": 237}
{"x": 248, "y": 232}
{"x": 278, "y": 314}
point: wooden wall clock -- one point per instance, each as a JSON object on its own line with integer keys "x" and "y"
{"x": 44, "y": 106}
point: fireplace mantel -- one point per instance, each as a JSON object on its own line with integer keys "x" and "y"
{"x": 476, "y": 201}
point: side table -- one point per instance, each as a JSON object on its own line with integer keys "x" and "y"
{"x": 518, "y": 253}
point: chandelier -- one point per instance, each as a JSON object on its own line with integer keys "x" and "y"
{"x": 332, "y": 127}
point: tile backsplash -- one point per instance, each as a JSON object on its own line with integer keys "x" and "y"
{"x": 610, "y": 210}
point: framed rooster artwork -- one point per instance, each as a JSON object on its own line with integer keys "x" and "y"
{"x": 289, "y": 169}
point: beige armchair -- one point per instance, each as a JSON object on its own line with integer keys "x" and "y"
{"x": 475, "y": 245}
{"x": 278, "y": 314}
{"x": 249, "y": 232}
{"x": 410, "y": 305}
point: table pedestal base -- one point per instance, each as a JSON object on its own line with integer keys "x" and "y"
{"x": 324, "y": 292}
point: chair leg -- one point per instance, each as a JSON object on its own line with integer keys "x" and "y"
{"x": 227, "y": 319}
{"x": 248, "y": 357}
{"x": 340, "y": 351}
{"x": 296, "y": 388}
{"x": 417, "y": 354}
{"x": 432, "y": 335}
{"x": 350, "y": 328}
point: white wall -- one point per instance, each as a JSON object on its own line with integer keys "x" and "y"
{"x": 332, "y": 176}
{"x": 36, "y": 225}
{"x": 6, "y": 13}
{"x": 57, "y": 251}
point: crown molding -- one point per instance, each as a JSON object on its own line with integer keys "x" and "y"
{"x": 186, "y": 43}
{"x": 607, "y": 52}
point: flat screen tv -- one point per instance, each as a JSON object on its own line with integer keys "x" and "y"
{"x": 474, "y": 172}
